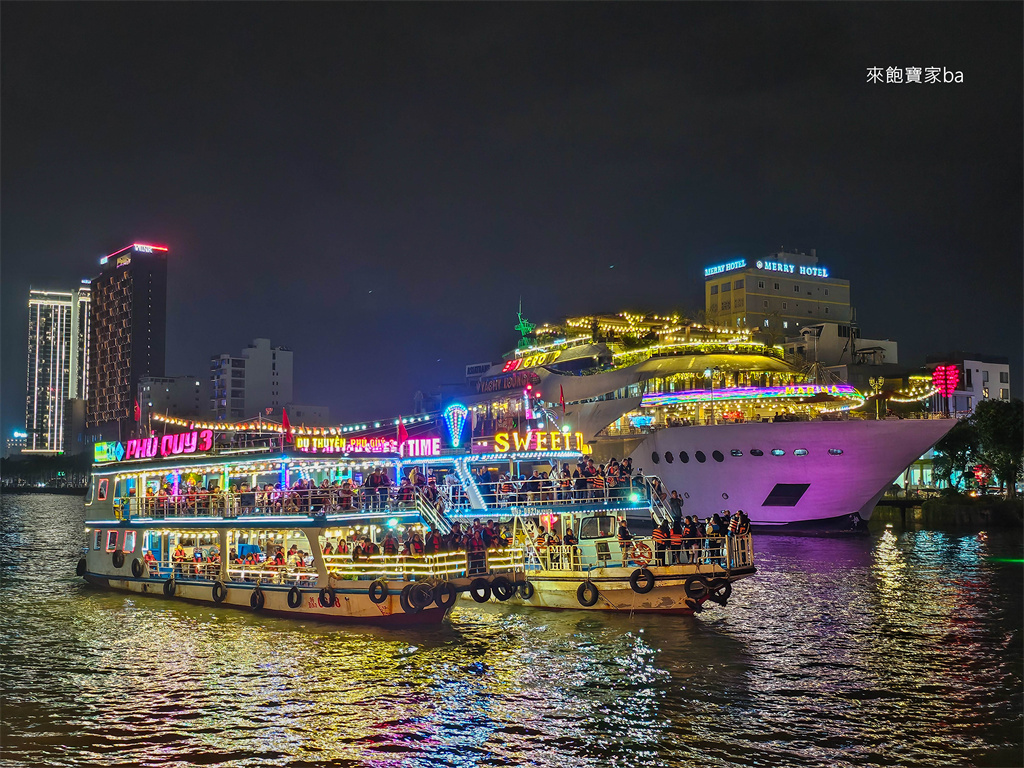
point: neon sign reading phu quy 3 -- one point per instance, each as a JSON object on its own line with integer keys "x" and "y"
{"x": 169, "y": 445}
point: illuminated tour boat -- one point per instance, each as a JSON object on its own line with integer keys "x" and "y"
{"x": 360, "y": 524}
{"x": 723, "y": 419}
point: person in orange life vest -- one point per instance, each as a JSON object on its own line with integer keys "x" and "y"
{"x": 661, "y": 536}
{"x": 434, "y": 544}
{"x": 390, "y": 544}
{"x": 476, "y": 549}
{"x": 676, "y": 540}
{"x": 542, "y": 540}
{"x": 415, "y": 545}
{"x": 328, "y": 548}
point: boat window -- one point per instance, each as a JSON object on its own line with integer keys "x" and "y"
{"x": 699, "y": 455}
{"x": 786, "y": 494}
{"x": 835, "y": 451}
{"x": 102, "y": 494}
{"x": 111, "y": 541}
{"x": 756, "y": 452}
{"x": 598, "y": 527}
{"x": 129, "y": 541}
{"x": 669, "y": 457}
{"x": 735, "y": 452}
{"x": 717, "y": 456}
{"x": 97, "y": 540}
{"x": 89, "y": 491}
{"x": 655, "y": 457}
{"x": 800, "y": 452}
{"x": 640, "y": 528}
{"x": 778, "y": 452}
{"x": 684, "y": 457}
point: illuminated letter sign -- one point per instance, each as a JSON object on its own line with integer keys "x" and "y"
{"x": 516, "y": 380}
{"x": 727, "y": 267}
{"x": 102, "y": 452}
{"x": 144, "y": 248}
{"x": 414, "y": 447}
{"x": 542, "y": 442}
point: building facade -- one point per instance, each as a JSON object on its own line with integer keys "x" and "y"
{"x": 777, "y": 295}
{"x": 982, "y": 377}
{"x": 248, "y": 384}
{"x": 127, "y": 335}
{"x": 840, "y": 344}
{"x": 58, "y": 355}
{"x": 182, "y": 396}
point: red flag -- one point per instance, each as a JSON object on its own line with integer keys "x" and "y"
{"x": 138, "y": 411}
{"x": 287, "y": 437}
{"x": 561, "y": 398}
{"x": 403, "y": 433}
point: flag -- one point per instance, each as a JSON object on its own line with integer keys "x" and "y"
{"x": 403, "y": 433}
{"x": 286, "y": 437}
{"x": 138, "y": 411}
{"x": 561, "y": 398}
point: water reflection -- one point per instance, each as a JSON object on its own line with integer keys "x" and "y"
{"x": 876, "y": 651}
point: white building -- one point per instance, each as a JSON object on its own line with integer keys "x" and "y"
{"x": 840, "y": 344}
{"x": 246, "y": 385}
{"x": 183, "y": 396}
{"x": 982, "y": 377}
{"x": 58, "y": 362}
{"x": 15, "y": 444}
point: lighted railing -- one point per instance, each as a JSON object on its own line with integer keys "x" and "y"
{"x": 503, "y": 494}
{"x": 718, "y": 552}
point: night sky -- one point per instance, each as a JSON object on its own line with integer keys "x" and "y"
{"x": 375, "y": 186}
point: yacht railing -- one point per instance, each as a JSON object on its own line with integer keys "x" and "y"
{"x": 716, "y": 553}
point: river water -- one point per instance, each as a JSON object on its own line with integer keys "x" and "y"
{"x": 883, "y": 650}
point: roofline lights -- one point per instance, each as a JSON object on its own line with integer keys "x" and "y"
{"x": 134, "y": 246}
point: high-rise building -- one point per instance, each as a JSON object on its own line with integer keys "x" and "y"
{"x": 127, "y": 335}
{"x": 777, "y": 295}
{"x": 258, "y": 379}
{"x": 184, "y": 396}
{"x": 58, "y": 327}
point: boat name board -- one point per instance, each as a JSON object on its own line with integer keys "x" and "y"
{"x": 179, "y": 444}
{"x": 414, "y": 447}
{"x": 540, "y": 441}
{"x": 516, "y": 380}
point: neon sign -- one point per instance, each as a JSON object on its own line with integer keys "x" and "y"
{"x": 779, "y": 266}
{"x": 540, "y": 441}
{"x": 413, "y": 448}
{"x": 532, "y": 361}
{"x": 727, "y": 267}
{"x": 103, "y": 452}
{"x": 945, "y": 378}
{"x": 656, "y": 399}
{"x": 455, "y": 418}
{"x": 137, "y": 247}
{"x": 516, "y": 380}
{"x": 170, "y": 445}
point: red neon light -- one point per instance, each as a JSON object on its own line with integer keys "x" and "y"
{"x": 134, "y": 245}
{"x": 945, "y": 379}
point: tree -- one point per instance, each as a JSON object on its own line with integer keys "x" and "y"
{"x": 1000, "y": 431}
{"x": 958, "y": 448}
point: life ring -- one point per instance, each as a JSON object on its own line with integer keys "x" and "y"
{"x": 294, "y": 597}
{"x": 421, "y": 594}
{"x": 480, "y": 589}
{"x": 118, "y": 558}
{"x": 220, "y": 592}
{"x": 136, "y": 567}
{"x": 641, "y": 581}
{"x": 640, "y": 554}
{"x": 170, "y": 587}
{"x": 327, "y": 597}
{"x": 80, "y": 568}
{"x": 587, "y": 594}
{"x": 525, "y": 590}
{"x": 719, "y": 590}
{"x": 445, "y": 594}
{"x": 404, "y": 599}
{"x": 502, "y": 588}
{"x": 378, "y": 591}
{"x": 695, "y": 587}
{"x": 257, "y": 599}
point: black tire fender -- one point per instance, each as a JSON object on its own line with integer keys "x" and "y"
{"x": 526, "y": 590}
{"x": 405, "y": 600}
{"x": 80, "y": 568}
{"x": 136, "y": 567}
{"x": 170, "y": 587}
{"x": 257, "y": 599}
{"x": 294, "y": 597}
{"x": 480, "y": 589}
{"x": 421, "y": 594}
{"x": 695, "y": 586}
{"x": 220, "y": 592}
{"x": 378, "y": 591}
{"x": 118, "y": 558}
{"x": 445, "y": 594}
{"x": 720, "y": 590}
{"x": 641, "y": 581}
{"x": 327, "y": 597}
{"x": 587, "y": 594}
{"x": 502, "y": 588}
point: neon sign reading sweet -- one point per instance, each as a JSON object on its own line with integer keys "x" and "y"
{"x": 169, "y": 445}
{"x": 413, "y": 448}
{"x": 540, "y": 441}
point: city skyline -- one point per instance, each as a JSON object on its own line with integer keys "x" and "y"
{"x": 390, "y": 222}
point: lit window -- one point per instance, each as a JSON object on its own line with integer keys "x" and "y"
{"x": 785, "y": 324}
{"x": 800, "y": 452}
{"x": 111, "y": 541}
{"x": 778, "y": 452}
{"x": 129, "y": 541}
{"x": 765, "y": 323}
{"x": 835, "y": 451}
{"x": 735, "y": 452}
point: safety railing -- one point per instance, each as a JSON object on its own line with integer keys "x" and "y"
{"x": 728, "y": 552}
{"x": 503, "y": 494}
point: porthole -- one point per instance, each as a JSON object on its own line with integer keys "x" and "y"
{"x": 669, "y": 457}
{"x": 699, "y": 456}
{"x": 835, "y": 451}
{"x": 725, "y": 495}
{"x": 684, "y": 457}
{"x": 800, "y": 452}
{"x": 655, "y": 457}
{"x": 734, "y": 452}
{"x": 717, "y": 456}
{"x": 778, "y": 452}
{"x": 686, "y": 494}
{"x": 756, "y": 452}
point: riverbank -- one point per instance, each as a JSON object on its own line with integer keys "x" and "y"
{"x": 952, "y": 512}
